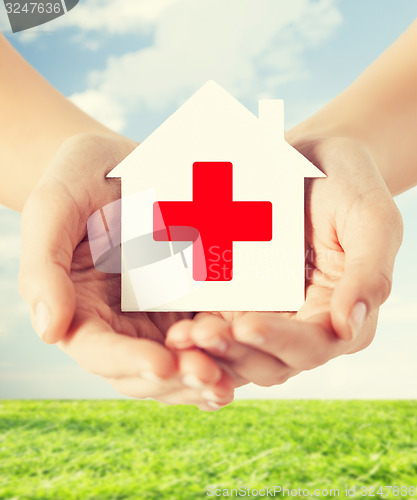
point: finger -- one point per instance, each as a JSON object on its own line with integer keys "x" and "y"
{"x": 371, "y": 238}
{"x": 179, "y": 335}
{"x": 201, "y": 372}
{"x": 140, "y": 388}
{"x": 101, "y": 351}
{"x": 211, "y": 406}
{"x": 50, "y": 228}
{"x": 205, "y": 330}
{"x": 299, "y": 345}
{"x": 213, "y": 334}
{"x": 209, "y": 399}
{"x": 218, "y": 396}
{"x": 197, "y": 369}
{"x": 174, "y": 391}
{"x": 189, "y": 397}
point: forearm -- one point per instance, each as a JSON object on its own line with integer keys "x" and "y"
{"x": 36, "y": 119}
{"x": 379, "y": 110}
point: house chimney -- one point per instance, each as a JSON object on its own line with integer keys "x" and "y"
{"x": 271, "y": 112}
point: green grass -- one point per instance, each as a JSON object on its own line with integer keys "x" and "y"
{"x": 65, "y": 450}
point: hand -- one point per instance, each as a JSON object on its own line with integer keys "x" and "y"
{"x": 353, "y": 233}
{"x": 77, "y": 305}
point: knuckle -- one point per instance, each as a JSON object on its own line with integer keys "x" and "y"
{"x": 203, "y": 328}
{"x": 390, "y": 216}
{"x": 282, "y": 378}
{"x": 382, "y": 207}
{"x": 383, "y": 286}
{"x": 397, "y": 224}
{"x": 265, "y": 382}
{"x": 248, "y": 325}
{"x": 62, "y": 257}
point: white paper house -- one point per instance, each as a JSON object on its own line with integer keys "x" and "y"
{"x": 212, "y": 126}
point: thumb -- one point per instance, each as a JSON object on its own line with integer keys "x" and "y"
{"x": 51, "y": 228}
{"x": 371, "y": 238}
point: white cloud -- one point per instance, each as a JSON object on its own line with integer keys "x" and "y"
{"x": 116, "y": 16}
{"x": 4, "y": 21}
{"x": 110, "y": 17}
{"x": 30, "y": 35}
{"x": 250, "y": 48}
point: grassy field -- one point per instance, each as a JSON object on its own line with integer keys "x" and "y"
{"x": 65, "y": 450}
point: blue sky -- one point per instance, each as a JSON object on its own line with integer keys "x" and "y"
{"x": 131, "y": 63}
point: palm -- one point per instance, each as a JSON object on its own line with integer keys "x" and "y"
{"x": 325, "y": 202}
{"x": 322, "y": 274}
{"x": 127, "y": 349}
{"x": 336, "y": 207}
{"x": 332, "y": 208}
{"x": 98, "y": 294}
{"x": 124, "y": 347}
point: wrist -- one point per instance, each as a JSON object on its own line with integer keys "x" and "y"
{"x": 311, "y": 131}
{"x": 96, "y": 148}
{"x": 322, "y": 126}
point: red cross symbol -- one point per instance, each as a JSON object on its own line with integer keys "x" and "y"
{"x": 216, "y": 218}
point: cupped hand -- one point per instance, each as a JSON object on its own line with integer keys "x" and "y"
{"x": 76, "y": 305}
{"x": 353, "y": 233}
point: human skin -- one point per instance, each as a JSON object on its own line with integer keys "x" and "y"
{"x": 53, "y": 162}
{"x": 364, "y": 140}
{"x": 378, "y": 110}
{"x": 325, "y": 326}
{"x": 353, "y": 233}
{"x": 36, "y": 119}
{"x": 57, "y": 272}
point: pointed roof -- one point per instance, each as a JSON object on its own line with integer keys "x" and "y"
{"x": 211, "y": 116}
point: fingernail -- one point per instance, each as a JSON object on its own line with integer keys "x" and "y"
{"x": 192, "y": 381}
{"x": 357, "y": 318}
{"x": 214, "y": 405}
{"x": 151, "y": 377}
{"x": 209, "y": 395}
{"x": 42, "y": 319}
